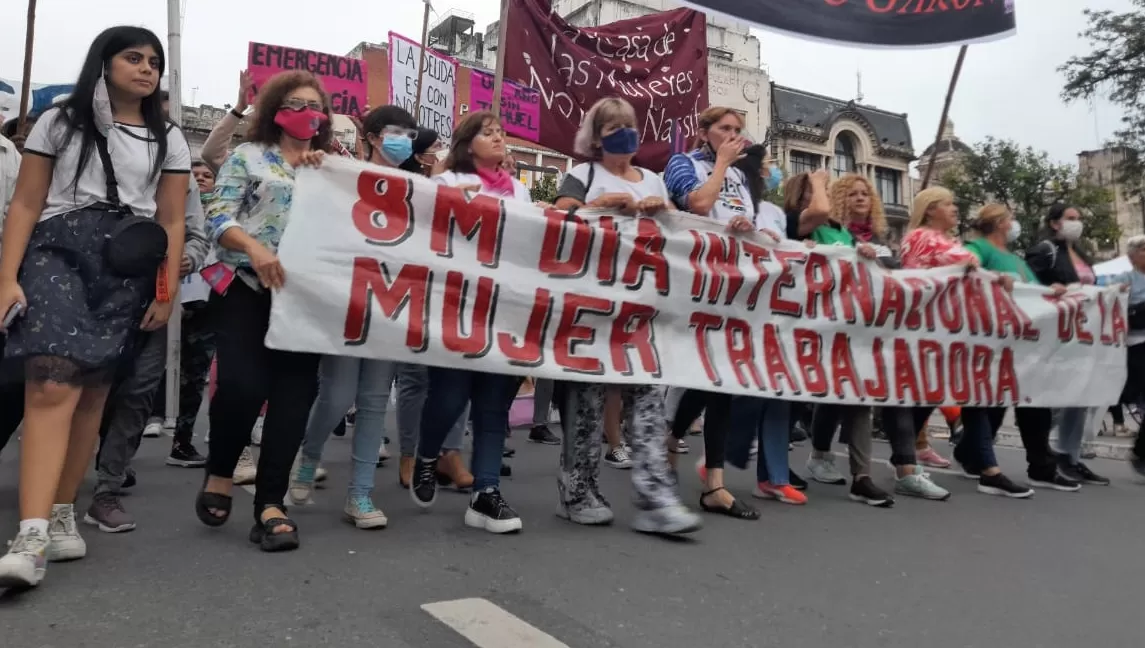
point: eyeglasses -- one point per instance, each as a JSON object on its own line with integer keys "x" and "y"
{"x": 400, "y": 131}
{"x": 301, "y": 104}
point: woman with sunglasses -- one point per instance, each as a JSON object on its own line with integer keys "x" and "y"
{"x": 251, "y": 210}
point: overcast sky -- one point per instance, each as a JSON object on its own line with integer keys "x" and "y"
{"x": 1008, "y": 89}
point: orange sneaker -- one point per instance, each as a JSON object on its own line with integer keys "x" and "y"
{"x": 785, "y": 493}
{"x": 451, "y": 470}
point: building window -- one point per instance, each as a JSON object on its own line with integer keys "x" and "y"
{"x": 844, "y": 155}
{"x": 888, "y": 182}
{"x": 803, "y": 162}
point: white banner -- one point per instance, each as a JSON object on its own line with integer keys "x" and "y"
{"x": 381, "y": 264}
{"x": 438, "y": 84}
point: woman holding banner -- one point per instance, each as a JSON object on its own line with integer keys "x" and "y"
{"x": 250, "y": 212}
{"x": 608, "y": 138}
{"x": 928, "y": 244}
{"x": 475, "y": 162}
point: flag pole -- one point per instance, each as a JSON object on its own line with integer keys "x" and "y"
{"x": 421, "y": 66}
{"x": 26, "y": 81}
{"x": 499, "y": 71}
{"x": 175, "y": 112}
{"x": 945, "y": 115}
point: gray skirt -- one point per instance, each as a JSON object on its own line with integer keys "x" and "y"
{"x": 82, "y": 319}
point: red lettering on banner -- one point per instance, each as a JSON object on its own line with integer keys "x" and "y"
{"x": 775, "y": 361}
{"x": 877, "y": 387}
{"x": 758, "y": 256}
{"x": 808, "y": 356}
{"x": 609, "y": 251}
{"x": 571, "y": 333}
{"x": 382, "y": 212}
{"x": 959, "y": 372}
{"x": 479, "y": 340}
{"x": 741, "y": 353}
{"x": 893, "y": 301}
{"x": 820, "y": 279}
{"x": 371, "y": 280}
{"x": 905, "y": 377}
{"x": 647, "y": 255}
{"x": 950, "y": 306}
{"x": 474, "y": 215}
{"x": 843, "y": 367}
{"x": 931, "y": 355}
{"x": 855, "y": 292}
{"x": 786, "y": 279}
{"x": 977, "y": 312}
{"x": 1007, "y": 378}
{"x": 1080, "y": 320}
{"x": 1065, "y": 319}
{"x": 1103, "y": 320}
{"x": 980, "y": 364}
{"x": 722, "y": 261}
{"x": 1005, "y": 310}
{"x": 699, "y": 279}
{"x": 558, "y": 225}
{"x": 632, "y": 329}
{"x": 916, "y": 288}
{"x": 701, "y": 323}
{"x": 528, "y": 351}
{"x": 1117, "y": 324}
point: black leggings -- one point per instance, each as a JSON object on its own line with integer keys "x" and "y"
{"x": 716, "y": 422}
{"x": 248, "y": 375}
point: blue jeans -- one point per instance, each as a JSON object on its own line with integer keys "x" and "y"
{"x": 976, "y": 449}
{"x": 767, "y": 420}
{"x": 489, "y": 397}
{"x": 342, "y": 382}
{"x": 1071, "y": 432}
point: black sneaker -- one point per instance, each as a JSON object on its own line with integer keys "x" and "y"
{"x": 1080, "y": 472}
{"x": 340, "y": 429}
{"x": 184, "y": 455}
{"x": 1053, "y": 478}
{"x": 542, "y": 434}
{"x": 797, "y": 435}
{"x": 797, "y": 482}
{"x": 423, "y": 488}
{"x": 864, "y": 490}
{"x": 129, "y": 479}
{"x": 1001, "y": 485}
{"x": 488, "y": 510}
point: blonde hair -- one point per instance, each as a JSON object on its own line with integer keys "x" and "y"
{"x": 989, "y": 217}
{"x": 585, "y": 145}
{"x": 923, "y": 201}
{"x": 838, "y": 194}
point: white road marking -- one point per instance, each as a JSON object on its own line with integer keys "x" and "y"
{"x": 488, "y": 626}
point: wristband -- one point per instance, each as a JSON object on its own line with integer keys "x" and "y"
{"x": 236, "y": 113}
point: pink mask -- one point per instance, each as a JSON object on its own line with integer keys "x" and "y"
{"x": 300, "y": 124}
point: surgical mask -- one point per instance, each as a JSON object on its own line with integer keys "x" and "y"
{"x": 396, "y": 148}
{"x": 625, "y": 141}
{"x": 1070, "y": 230}
{"x": 774, "y": 178}
{"x": 300, "y": 124}
{"x": 1015, "y": 231}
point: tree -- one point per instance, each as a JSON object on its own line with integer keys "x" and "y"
{"x": 1115, "y": 69}
{"x": 1028, "y": 182}
{"x": 545, "y": 189}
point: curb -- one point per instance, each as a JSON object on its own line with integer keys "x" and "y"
{"x": 1009, "y": 438}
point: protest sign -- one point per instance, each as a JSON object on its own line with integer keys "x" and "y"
{"x": 876, "y": 23}
{"x": 520, "y": 105}
{"x": 439, "y": 85}
{"x": 658, "y": 63}
{"x": 383, "y": 264}
{"x": 343, "y": 78}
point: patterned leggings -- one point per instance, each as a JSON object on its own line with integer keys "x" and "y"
{"x": 582, "y": 410}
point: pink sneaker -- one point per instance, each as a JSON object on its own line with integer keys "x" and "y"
{"x": 786, "y": 493}
{"x": 929, "y": 457}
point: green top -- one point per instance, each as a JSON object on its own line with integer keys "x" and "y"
{"x": 1000, "y": 260}
{"x": 832, "y": 234}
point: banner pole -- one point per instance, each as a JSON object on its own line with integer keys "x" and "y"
{"x": 421, "y": 66}
{"x": 499, "y": 71}
{"x": 945, "y": 115}
{"x": 26, "y": 81}
{"x": 174, "y": 330}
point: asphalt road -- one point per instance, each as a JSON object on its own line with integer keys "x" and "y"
{"x": 976, "y": 571}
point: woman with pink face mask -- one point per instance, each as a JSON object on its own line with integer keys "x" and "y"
{"x": 250, "y": 212}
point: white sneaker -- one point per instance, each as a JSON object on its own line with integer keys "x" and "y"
{"x": 256, "y": 432}
{"x": 363, "y": 514}
{"x": 65, "y": 541}
{"x": 153, "y": 428}
{"x": 823, "y": 470}
{"x": 670, "y": 520}
{"x": 26, "y": 561}
{"x": 246, "y": 469}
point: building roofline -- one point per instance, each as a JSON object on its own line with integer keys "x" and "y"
{"x": 816, "y": 95}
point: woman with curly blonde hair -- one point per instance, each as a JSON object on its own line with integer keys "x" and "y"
{"x": 856, "y": 206}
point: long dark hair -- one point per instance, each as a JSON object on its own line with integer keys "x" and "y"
{"x": 77, "y": 109}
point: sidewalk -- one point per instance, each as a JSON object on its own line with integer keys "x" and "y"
{"x": 1106, "y": 447}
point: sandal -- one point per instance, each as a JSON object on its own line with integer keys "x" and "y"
{"x": 264, "y": 535}
{"x": 737, "y": 510}
{"x": 206, "y": 502}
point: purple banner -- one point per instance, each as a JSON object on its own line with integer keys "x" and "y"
{"x": 520, "y": 105}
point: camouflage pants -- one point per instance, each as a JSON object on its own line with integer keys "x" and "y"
{"x": 195, "y": 360}
{"x": 582, "y": 408}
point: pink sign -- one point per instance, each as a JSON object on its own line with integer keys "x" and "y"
{"x": 520, "y": 105}
{"x": 343, "y": 78}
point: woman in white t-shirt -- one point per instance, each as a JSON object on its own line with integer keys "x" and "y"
{"x": 81, "y": 261}
{"x": 608, "y": 138}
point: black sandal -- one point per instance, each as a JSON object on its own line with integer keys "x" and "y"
{"x": 737, "y": 510}
{"x": 206, "y": 502}
{"x": 264, "y": 535}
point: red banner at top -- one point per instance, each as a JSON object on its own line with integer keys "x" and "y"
{"x": 658, "y": 63}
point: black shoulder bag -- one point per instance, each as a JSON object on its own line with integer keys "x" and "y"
{"x": 136, "y": 245}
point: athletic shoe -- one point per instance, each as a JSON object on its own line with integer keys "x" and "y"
{"x": 423, "y": 488}
{"x": 1080, "y": 472}
{"x": 302, "y": 480}
{"x": 785, "y": 493}
{"x": 107, "y": 513}
{"x": 618, "y": 457}
{"x": 822, "y": 470}
{"x": 864, "y": 490}
{"x": 932, "y": 459}
{"x": 674, "y": 519}
{"x": 797, "y": 482}
{"x": 153, "y": 428}
{"x": 246, "y": 469}
{"x": 361, "y": 512}
{"x": 489, "y": 511}
{"x": 1053, "y": 478}
{"x": 1001, "y": 485}
{"x": 184, "y": 455}
{"x": 26, "y": 561}
{"x": 542, "y": 434}
{"x": 65, "y": 541}
{"x": 919, "y": 485}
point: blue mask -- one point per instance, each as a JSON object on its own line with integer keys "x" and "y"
{"x": 774, "y": 178}
{"x": 625, "y": 141}
{"x": 397, "y": 148}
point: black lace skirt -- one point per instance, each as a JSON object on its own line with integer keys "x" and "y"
{"x": 82, "y": 319}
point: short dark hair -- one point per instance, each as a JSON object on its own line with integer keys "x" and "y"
{"x": 460, "y": 158}
{"x": 269, "y": 100}
{"x": 200, "y": 163}
{"x": 380, "y": 117}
